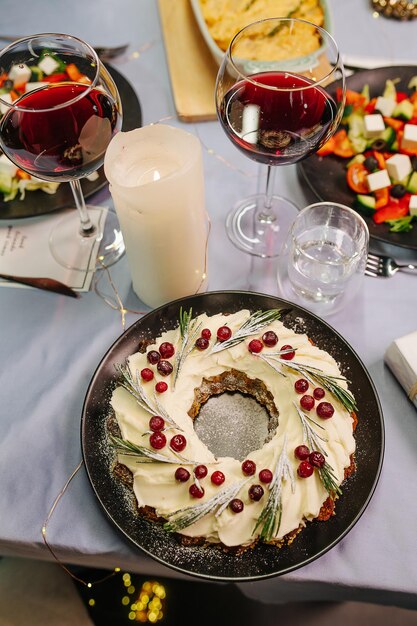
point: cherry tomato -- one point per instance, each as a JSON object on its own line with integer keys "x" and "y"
{"x": 357, "y": 178}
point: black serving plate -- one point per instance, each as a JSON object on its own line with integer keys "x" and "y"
{"x": 326, "y": 176}
{"x": 263, "y": 561}
{"x": 38, "y": 202}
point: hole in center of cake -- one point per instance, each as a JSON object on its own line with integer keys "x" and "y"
{"x": 233, "y": 424}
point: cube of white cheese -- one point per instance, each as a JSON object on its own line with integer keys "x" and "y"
{"x": 412, "y": 207}
{"x": 378, "y": 180}
{"x": 399, "y": 166}
{"x": 48, "y": 65}
{"x": 373, "y": 125}
{"x": 385, "y": 105}
{"x": 409, "y": 140}
{"x": 32, "y": 86}
{"x": 20, "y": 74}
{"x": 7, "y": 166}
{"x": 6, "y": 97}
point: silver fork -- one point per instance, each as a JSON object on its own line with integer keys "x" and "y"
{"x": 385, "y": 266}
{"x": 104, "y": 52}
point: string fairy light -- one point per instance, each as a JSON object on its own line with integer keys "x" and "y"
{"x": 45, "y": 525}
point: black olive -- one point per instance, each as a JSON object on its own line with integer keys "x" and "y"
{"x": 8, "y": 84}
{"x": 398, "y": 191}
{"x": 379, "y": 145}
{"x": 414, "y": 163}
{"x": 371, "y": 163}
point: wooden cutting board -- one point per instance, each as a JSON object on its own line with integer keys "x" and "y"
{"x": 192, "y": 68}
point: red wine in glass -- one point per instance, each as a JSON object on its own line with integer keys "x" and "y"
{"x": 277, "y": 118}
{"x": 67, "y": 136}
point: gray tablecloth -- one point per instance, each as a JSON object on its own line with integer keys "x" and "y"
{"x": 51, "y": 345}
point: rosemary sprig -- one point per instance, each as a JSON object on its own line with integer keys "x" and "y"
{"x": 253, "y": 325}
{"x": 134, "y": 387}
{"x": 275, "y": 30}
{"x": 189, "y": 330}
{"x": 316, "y": 376}
{"x": 143, "y": 454}
{"x": 271, "y": 515}
{"x": 310, "y": 436}
{"x": 313, "y": 441}
{"x": 185, "y": 517}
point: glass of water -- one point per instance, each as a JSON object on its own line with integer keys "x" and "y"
{"x": 323, "y": 261}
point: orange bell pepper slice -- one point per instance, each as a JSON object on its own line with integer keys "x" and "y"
{"x": 382, "y": 197}
{"x": 343, "y": 147}
{"x": 395, "y": 124}
{"x": 73, "y": 72}
{"x": 327, "y": 148}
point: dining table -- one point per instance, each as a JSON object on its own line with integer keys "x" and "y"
{"x": 51, "y": 345}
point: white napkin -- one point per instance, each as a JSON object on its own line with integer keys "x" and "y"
{"x": 401, "y": 358}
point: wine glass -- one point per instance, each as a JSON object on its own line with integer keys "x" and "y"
{"x": 275, "y": 103}
{"x": 59, "y": 117}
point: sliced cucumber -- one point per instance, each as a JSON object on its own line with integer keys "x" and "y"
{"x": 358, "y": 158}
{"x": 389, "y": 136}
{"x": 404, "y": 110}
{"x": 412, "y": 183}
{"x": 366, "y": 204}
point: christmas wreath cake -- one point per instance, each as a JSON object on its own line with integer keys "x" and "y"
{"x": 293, "y": 477}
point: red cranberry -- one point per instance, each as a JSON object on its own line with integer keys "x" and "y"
{"x": 166, "y": 350}
{"x": 156, "y": 423}
{"x": 270, "y": 339}
{"x": 200, "y": 471}
{"x": 255, "y": 345}
{"x": 317, "y": 459}
{"x": 236, "y": 505}
{"x": 223, "y": 333}
{"x": 248, "y": 467}
{"x": 157, "y": 440}
{"x": 202, "y": 344}
{"x": 182, "y": 475}
{"x": 256, "y": 492}
{"x": 265, "y": 476}
{"x": 301, "y": 453}
{"x": 206, "y": 333}
{"x": 146, "y": 374}
{"x": 307, "y": 402}
{"x": 153, "y": 357}
{"x": 289, "y": 355}
{"x": 319, "y": 393}
{"x": 218, "y": 478}
{"x": 325, "y": 410}
{"x": 178, "y": 443}
{"x": 301, "y": 385}
{"x": 196, "y": 492}
{"x": 164, "y": 368}
{"x": 305, "y": 469}
{"x": 161, "y": 387}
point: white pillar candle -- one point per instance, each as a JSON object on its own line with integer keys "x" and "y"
{"x": 157, "y": 185}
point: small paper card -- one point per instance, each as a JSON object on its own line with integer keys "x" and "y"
{"x": 401, "y": 358}
{"x": 25, "y": 249}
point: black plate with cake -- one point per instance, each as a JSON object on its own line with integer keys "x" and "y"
{"x": 209, "y": 438}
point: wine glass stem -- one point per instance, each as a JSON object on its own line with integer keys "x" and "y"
{"x": 87, "y": 227}
{"x": 266, "y": 214}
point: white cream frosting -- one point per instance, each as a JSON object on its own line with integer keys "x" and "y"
{"x": 154, "y": 483}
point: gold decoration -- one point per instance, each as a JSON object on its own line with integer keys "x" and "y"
{"x": 398, "y": 9}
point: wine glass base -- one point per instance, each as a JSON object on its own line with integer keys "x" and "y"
{"x": 256, "y": 233}
{"x": 73, "y": 250}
